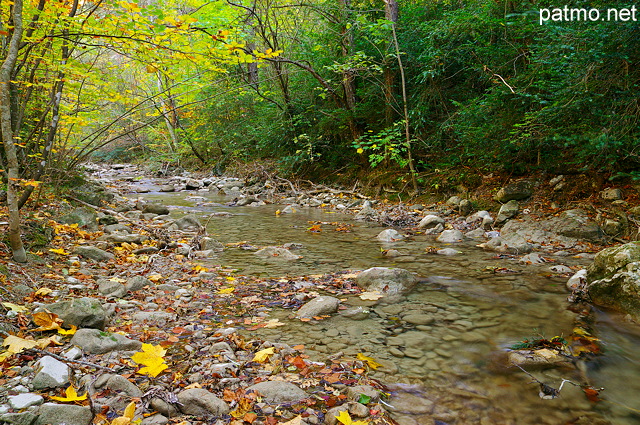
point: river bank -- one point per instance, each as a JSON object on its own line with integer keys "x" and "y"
{"x": 212, "y": 320}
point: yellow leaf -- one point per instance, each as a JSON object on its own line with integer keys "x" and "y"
{"x": 71, "y": 331}
{"x": 263, "y": 355}
{"x": 152, "y": 358}
{"x": 46, "y": 321}
{"x": 17, "y": 344}
{"x": 15, "y": 307}
{"x": 345, "y": 419}
{"x": 274, "y": 323}
{"x": 278, "y": 212}
{"x": 230, "y": 278}
{"x": 154, "y": 370}
{"x": 372, "y": 296}
{"x": 130, "y": 410}
{"x": 370, "y": 361}
{"x": 59, "y": 251}
{"x": 117, "y": 279}
{"x": 360, "y": 150}
{"x": 155, "y": 277}
{"x": 71, "y": 395}
{"x": 227, "y": 290}
{"x": 43, "y": 291}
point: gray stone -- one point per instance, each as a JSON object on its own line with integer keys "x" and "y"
{"x": 94, "y": 341}
{"x": 418, "y": 319}
{"x": 137, "y": 283}
{"x": 92, "y": 193}
{"x": 167, "y": 188}
{"x": 478, "y": 217}
{"x": 577, "y": 280}
{"x": 22, "y": 401}
{"x": 560, "y": 268}
{"x": 453, "y": 201}
{"x": 81, "y": 312}
{"x": 207, "y": 243}
{"x": 156, "y": 419}
{"x": 450, "y": 236}
{"x": 155, "y": 208}
{"x": 521, "y": 189}
{"x": 318, "y": 306}
{"x": 93, "y": 253}
{"x": 276, "y": 253}
{"x": 124, "y": 238}
{"x": 390, "y": 235}
{"x": 63, "y": 414}
{"x": 389, "y": 281}
{"x": 111, "y": 228}
{"x": 166, "y": 409}
{"x": 475, "y": 234}
{"x": 278, "y": 392}
{"x": 156, "y": 317}
{"x": 289, "y": 209}
{"x": 613, "y": 227}
{"x": 448, "y": 251}
{"x": 24, "y": 418}
{"x": 538, "y": 358}
{"x": 188, "y": 222}
{"x": 608, "y": 261}
{"x": 532, "y": 258}
{"x": 430, "y": 221}
{"x": 404, "y": 402}
{"x": 507, "y": 211}
{"x": 84, "y": 217}
{"x": 367, "y": 212}
{"x": 110, "y": 288}
{"x": 611, "y": 194}
{"x": 576, "y": 224}
{"x": 356, "y": 313}
{"x": 465, "y": 207}
{"x": 120, "y": 383}
{"x": 200, "y": 402}
{"x": 192, "y": 184}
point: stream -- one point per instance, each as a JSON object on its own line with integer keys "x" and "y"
{"x": 442, "y": 345}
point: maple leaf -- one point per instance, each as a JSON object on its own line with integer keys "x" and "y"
{"x": 43, "y": 291}
{"x": 274, "y": 323}
{"x": 345, "y": 419}
{"x": 17, "y": 344}
{"x": 46, "y": 321}
{"x": 127, "y": 416}
{"x": 59, "y": 251}
{"x": 71, "y": 395}
{"x": 71, "y": 331}
{"x": 152, "y": 358}
{"x": 370, "y": 361}
{"x": 15, "y": 307}
{"x": 227, "y": 290}
{"x": 263, "y": 355}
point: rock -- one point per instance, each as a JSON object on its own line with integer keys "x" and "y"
{"x": 453, "y": 201}
{"x": 81, "y": 312}
{"x": 498, "y": 244}
{"x": 24, "y": 418}
{"x": 120, "y": 383}
{"x": 192, "y": 184}
{"x": 613, "y": 227}
{"x": 613, "y": 280}
{"x": 22, "y": 401}
{"x": 475, "y": 234}
{"x": 526, "y": 231}
{"x": 430, "y": 221}
{"x": 276, "y": 253}
{"x": 84, "y": 217}
{"x": 278, "y": 392}
{"x": 356, "y": 313}
{"x": 51, "y": 373}
{"x": 507, "y": 211}
{"x": 293, "y": 245}
{"x": 119, "y": 238}
{"x": 200, "y": 402}
{"x": 207, "y": 243}
{"x": 156, "y": 419}
{"x": 404, "y": 402}
{"x": 167, "y": 188}
{"x": 538, "y": 358}
{"x": 521, "y": 189}
{"x": 107, "y": 220}
{"x": 188, "y": 222}
{"x": 94, "y": 341}
{"x": 576, "y": 224}
{"x": 289, "y": 209}
{"x": 389, "y": 281}
{"x": 92, "y": 193}
{"x": 63, "y": 414}
{"x": 93, "y": 253}
{"x": 448, "y": 251}
{"x": 137, "y": 283}
{"x": 167, "y": 409}
{"x": 560, "y": 268}
{"x": 112, "y": 228}
{"x": 390, "y": 235}
{"x": 532, "y": 258}
{"x": 611, "y": 194}
{"x": 318, "y": 306}
{"x": 577, "y": 280}
{"x": 465, "y": 207}
{"x": 418, "y": 319}
{"x": 110, "y": 288}
{"x": 367, "y": 212}
{"x": 155, "y": 208}
{"x": 356, "y": 391}
{"x": 391, "y": 253}
{"x": 478, "y": 217}
{"x": 160, "y": 318}
{"x": 450, "y": 236}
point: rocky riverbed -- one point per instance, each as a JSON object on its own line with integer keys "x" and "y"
{"x": 421, "y": 340}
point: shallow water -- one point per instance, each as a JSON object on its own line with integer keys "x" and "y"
{"x": 448, "y": 368}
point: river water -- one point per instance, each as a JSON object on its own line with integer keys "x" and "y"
{"x": 447, "y": 364}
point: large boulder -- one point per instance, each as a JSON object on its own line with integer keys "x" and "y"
{"x": 201, "y": 403}
{"x": 94, "y": 341}
{"x": 507, "y": 211}
{"x": 93, "y": 253}
{"x": 155, "y": 208}
{"x": 278, "y": 391}
{"x": 613, "y": 280}
{"x": 390, "y": 235}
{"x": 92, "y": 193}
{"x": 576, "y": 224}
{"x": 521, "y": 189}
{"x": 386, "y": 280}
{"x": 84, "y": 217}
{"x": 81, "y": 312}
{"x": 318, "y": 306}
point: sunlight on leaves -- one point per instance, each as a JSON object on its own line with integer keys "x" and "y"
{"x": 151, "y": 357}
{"x": 71, "y": 395}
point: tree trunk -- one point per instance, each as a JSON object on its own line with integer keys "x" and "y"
{"x": 8, "y": 135}
{"x": 391, "y": 14}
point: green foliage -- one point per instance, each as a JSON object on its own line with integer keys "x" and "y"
{"x": 387, "y": 145}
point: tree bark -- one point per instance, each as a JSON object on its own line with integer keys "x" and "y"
{"x": 8, "y": 136}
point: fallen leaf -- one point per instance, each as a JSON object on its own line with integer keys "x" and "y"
{"x": 227, "y": 290}
{"x": 273, "y": 323}
{"x": 263, "y": 355}
{"x": 43, "y": 291}
{"x": 59, "y": 251}
{"x": 71, "y": 395}
{"x": 295, "y": 421}
{"x": 152, "y": 358}
{"x": 345, "y": 419}
{"x": 370, "y": 361}
{"x": 71, "y": 331}
{"x": 16, "y": 344}
{"x": 15, "y": 307}
{"x": 127, "y": 416}
{"x": 46, "y": 321}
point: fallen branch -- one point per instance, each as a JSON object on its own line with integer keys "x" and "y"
{"x": 66, "y": 360}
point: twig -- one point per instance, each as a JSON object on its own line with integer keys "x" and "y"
{"x": 64, "y": 359}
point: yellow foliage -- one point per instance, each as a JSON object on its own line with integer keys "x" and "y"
{"x": 345, "y": 419}
{"x": 71, "y": 395}
{"x": 370, "y": 361}
{"x": 263, "y": 355}
{"x": 152, "y": 358}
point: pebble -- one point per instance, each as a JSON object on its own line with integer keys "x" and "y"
{"x": 396, "y": 352}
{"x": 418, "y": 319}
{"x": 22, "y": 401}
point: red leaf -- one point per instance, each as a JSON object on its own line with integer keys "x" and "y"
{"x": 592, "y": 394}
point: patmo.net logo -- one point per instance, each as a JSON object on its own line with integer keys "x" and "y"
{"x": 577, "y": 14}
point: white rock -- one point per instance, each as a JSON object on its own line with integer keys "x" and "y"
{"x": 429, "y": 221}
{"x": 450, "y": 236}
{"x": 575, "y": 280}
{"x": 52, "y": 373}
{"x": 390, "y": 235}
{"x": 560, "y": 269}
{"x": 448, "y": 251}
{"x": 73, "y": 354}
{"x": 22, "y": 401}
